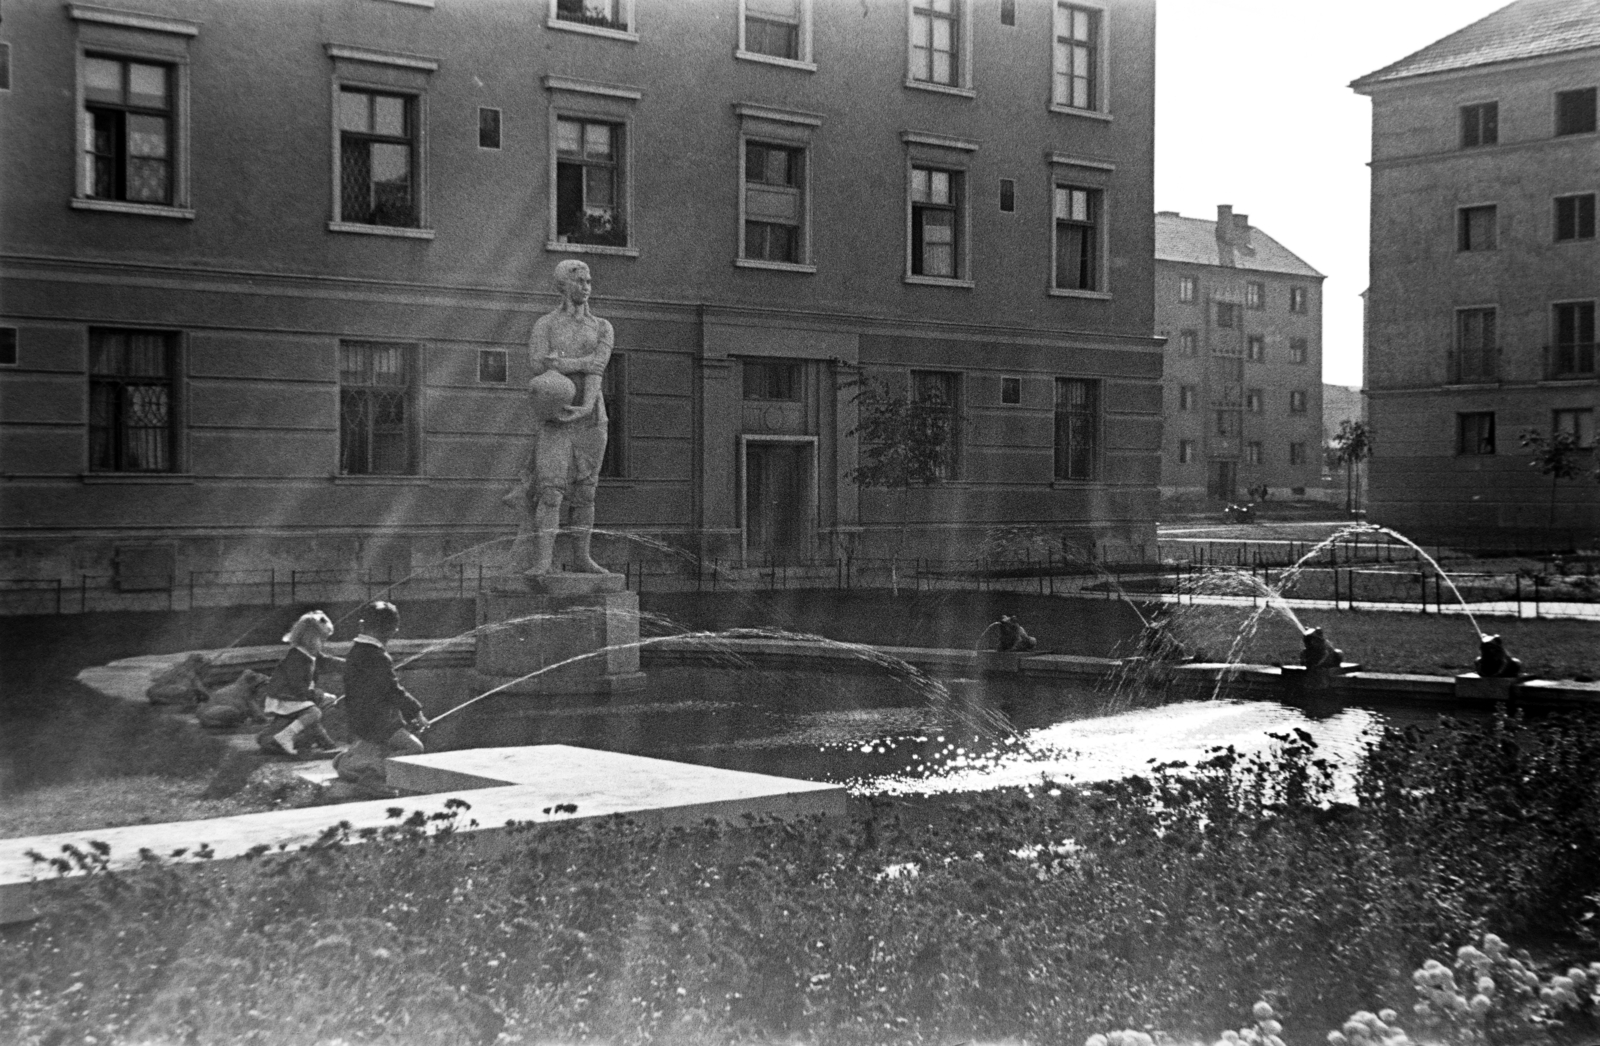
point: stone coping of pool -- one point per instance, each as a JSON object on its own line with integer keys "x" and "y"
{"x": 527, "y": 786}
{"x": 128, "y": 677}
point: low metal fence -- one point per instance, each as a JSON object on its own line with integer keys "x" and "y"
{"x": 1371, "y": 576}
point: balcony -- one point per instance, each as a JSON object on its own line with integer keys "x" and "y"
{"x": 1473, "y": 366}
{"x": 1569, "y": 361}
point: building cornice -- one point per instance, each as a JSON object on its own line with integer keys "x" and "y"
{"x": 573, "y": 85}
{"x": 772, "y": 114}
{"x": 371, "y": 56}
{"x": 131, "y": 20}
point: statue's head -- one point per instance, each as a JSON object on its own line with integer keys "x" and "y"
{"x": 573, "y": 281}
{"x": 1489, "y": 642}
{"x": 1313, "y": 637}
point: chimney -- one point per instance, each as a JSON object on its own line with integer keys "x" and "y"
{"x": 1241, "y": 232}
{"x": 1225, "y": 223}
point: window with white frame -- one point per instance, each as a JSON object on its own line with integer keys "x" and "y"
{"x": 775, "y": 30}
{"x": 774, "y": 202}
{"x": 1297, "y": 350}
{"x": 378, "y": 183}
{"x": 1577, "y": 422}
{"x": 937, "y": 54}
{"x": 603, "y": 16}
{"x": 1253, "y": 452}
{"x": 1255, "y": 295}
{"x": 1297, "y": 453}
{"x": 590, "y": 183}
{"x": 379, "y": 142}
{"x": 128, "y": 149}
{"x": 1189, "y": 343}
{"x": 133, "y": 131}
{"x": 1078, "y": 50}
{"x": 1188, "y": 288}
{"x": 937, "y": 222}
{"x": 1078, "y": 238}
{"x": 379, "y": 434}
{"x": 1188, "y": 395}
{"x": 1254, "y": 400}
{"x": 1298, "y": 299}
{"x": 133, "y": 387}
{"x": 1297, "y": 401}
{"x": 1255, "y": 348}
{"x": 1186, "y": 451}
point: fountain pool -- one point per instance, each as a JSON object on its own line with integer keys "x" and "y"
{"x": 881, "y": 734}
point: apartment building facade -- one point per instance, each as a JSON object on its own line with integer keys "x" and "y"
{"x": 1485, "y": 272}
{"x": 1242, "y": 386}
{"x": 267, "y": 270}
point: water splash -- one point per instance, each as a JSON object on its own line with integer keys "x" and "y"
{"x": 904, "y": 672}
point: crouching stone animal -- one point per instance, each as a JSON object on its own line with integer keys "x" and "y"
{"x": 1493, "y": 662}
{"x": 235, "y": 704}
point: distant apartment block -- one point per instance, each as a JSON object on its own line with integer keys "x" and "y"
{"x": 1242, "y": 315}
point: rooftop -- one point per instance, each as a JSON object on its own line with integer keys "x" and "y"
{"x": 1524, "y": 29}
{"x": 1195, "y": 240}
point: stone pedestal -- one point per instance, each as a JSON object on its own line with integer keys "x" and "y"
{"x": 1472, "y": 687}
{"x": 1302, "y": 678}
{"x": 540, "y": 622}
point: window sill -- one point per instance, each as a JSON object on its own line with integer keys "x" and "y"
{"x": 939, "y": 281}
{"x": 1068, "y": 292}
{"x": 756, "y": 263}
{"x": 398, "y": 231}
{"x": 158, "y": 479}
{"x": 146, "y": 210}
{"x": 923, "y": 85}
{"x": 768, "y": 59}
{"x": 413, "y": 3}
{"x": 339, "y": 479}
{"x": 592, "y": 30}
{"x": 1077, "y": 484}
{"x": 1087, "y": 114}
{"x": 591, "y": 248}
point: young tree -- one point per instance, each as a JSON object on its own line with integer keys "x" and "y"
{"x": 1352, "y": 445}
{"x": 1556, "y": 456}
{"x": 906, "y": 441}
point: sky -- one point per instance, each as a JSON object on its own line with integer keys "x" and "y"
{"x": 1254, "y": 109}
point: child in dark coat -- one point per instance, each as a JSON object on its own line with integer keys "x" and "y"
{"x": 292, "y": 701}
{"x": 382, "y": 713}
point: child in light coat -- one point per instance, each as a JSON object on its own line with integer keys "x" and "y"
{"x": 293, "y": 703}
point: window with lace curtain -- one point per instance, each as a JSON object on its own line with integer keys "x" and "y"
{"x": 132, "y": 416}
{"x": 378, "y": 430}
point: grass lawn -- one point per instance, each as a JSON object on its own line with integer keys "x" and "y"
{"x": 146, "y": 799}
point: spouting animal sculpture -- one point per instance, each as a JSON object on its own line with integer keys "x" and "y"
{"x": 1318, "y": 652}
{"x": 1493, "y": 662}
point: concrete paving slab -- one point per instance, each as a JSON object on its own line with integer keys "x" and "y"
{"x": 548, "y": 781}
